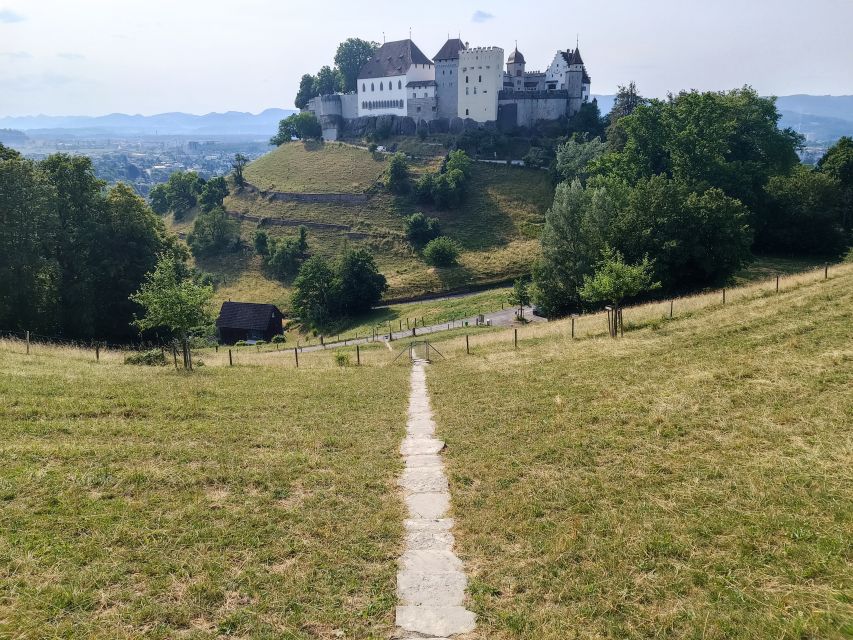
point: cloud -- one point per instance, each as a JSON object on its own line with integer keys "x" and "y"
{"x": 10, "y": 16}
{"x": 481, "y": 16}
{"x": 70, "y": 56}
{"x": 15, "y": 55}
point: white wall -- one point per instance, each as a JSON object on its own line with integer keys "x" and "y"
{"x": 481, "y": 74}
{"x": 393, "y": 88}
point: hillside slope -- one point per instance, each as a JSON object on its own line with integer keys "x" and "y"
{"x": 497, "y": 226}
{"x": 689, "y": 480}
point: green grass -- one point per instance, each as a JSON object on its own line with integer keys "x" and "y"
{"x": 497, "y": 226}
{"x": 691, "y": 480}
{"x": 251, "y": 501}
{"x": 314, "y": 167}
{"x": 766, "y": 267}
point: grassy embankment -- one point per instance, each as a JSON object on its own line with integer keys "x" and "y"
{"x": 141, "y": 502}
{"x": 691, "y": 480}
{"x": 497, "y": 226}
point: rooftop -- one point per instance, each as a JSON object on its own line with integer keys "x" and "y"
{"x": 393, "y": 59}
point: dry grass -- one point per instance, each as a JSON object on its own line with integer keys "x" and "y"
{"x": 313, "y": 167}
{"x": 252, "y": 501}
{"x": 691, "y": 480}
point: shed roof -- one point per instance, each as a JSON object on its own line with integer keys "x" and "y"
{"x": 393, "y": 59}
{"x": 246, "y": 315}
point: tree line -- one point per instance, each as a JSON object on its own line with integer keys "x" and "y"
{"x": 691, "y": 187}
{"x": 350, "y": 57}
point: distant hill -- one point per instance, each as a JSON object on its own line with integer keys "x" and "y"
{"x": 175, "y": 123}
{"x": 12, "y": 136}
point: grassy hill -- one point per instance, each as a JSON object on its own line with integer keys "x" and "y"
{"x": 497, "y": 226}
{"x": 690, "y": 480}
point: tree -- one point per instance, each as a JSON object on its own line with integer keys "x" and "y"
{"x": 614, "y": 280}
{"x": 28, "y": 231}
{"x": 159, "y": 199}
{"x": 314, "y": 291}
{"x": 172, "y": 300}
{"x": 587, "y": 121}
{"x": 520, "y": 296}
{"x": 125, "y": 247}
{"x": 397, "y": 174}
{"x": 237, "y": 165}
{"x": 576, "y": 228}
{"x": 626, "y": 102}
{"x": 213, "y": 193}
{"x": 351, "y": 56}
{"x": 307, "y": 90}
{"x": 804, "y": 214}
{"x": 284, "y": 257}
{"x": 441, "y": 252}
{"x": 182, "y": 191}
{"x": 420, "y": 229}
{"x": 359, "y": 282}
{"x": 328, "y": 81}
{"x": 213, "y": 232}
{"x": 261, "y": 241}
{"x": 302, "y": 125}
{"x": 838, "y": 163}
{"x": 575, "y": 156}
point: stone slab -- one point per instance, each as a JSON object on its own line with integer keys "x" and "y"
{"x": 424, "y": 480}
{"x": 420, "y": 446}
{"x": 430, "y": 561}
{"x": 424, "y": 461}
{"x": 436, "y": 621}
{"x": 446, "y": 589}
{"x": 427, "y": 505}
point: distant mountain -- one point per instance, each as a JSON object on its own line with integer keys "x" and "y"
{"x": 176, "y": 123}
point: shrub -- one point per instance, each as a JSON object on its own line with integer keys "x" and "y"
{"x": 342, "y": 359}
{"x": 151, "y": 358}
{"x": 213, "y": 232}
{"x": 441, "y": 252}
{"x": 372, "y": 147}
{"x": 240, "y": 343}
{"x": 420, "y": 229}
{"x": 278, "y": 339}
{"x": 397, "y": 174}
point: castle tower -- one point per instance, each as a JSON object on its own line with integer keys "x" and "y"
{"x": 447, "y": 77}
{"x": 515, "y": 66}
{"x": 481, "y": 75}
{"x": 575, "y": 77}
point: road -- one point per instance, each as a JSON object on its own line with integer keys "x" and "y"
{"x": 502, "y": 318}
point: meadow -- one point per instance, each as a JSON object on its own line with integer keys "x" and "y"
{"x": 142, "y": 502}
{"x": 690, "y": 480}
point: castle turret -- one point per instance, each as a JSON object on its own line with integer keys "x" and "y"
{"x": 447, "y": 77}
{"x": 575, "y": 81}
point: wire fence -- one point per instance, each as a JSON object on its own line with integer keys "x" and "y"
{"x": 375, "y": 350}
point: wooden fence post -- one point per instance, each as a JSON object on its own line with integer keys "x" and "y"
{"x": 97, "y": 352}
{"x": 621, "y": 324}
{"x": 826, "y": 271}
{"x": 357, "y": 355}
{"x": 671, "y": 302}
{"x": 230, "y": 359}
{"x": 724, "y": 295}
{"x": 296, "y": 355}
{"x": 777, "y": 284}
{"x": 175, "y": 356}
{"x": 401, "y": 325}
{"x": 515, "y": 338}
{"x": 467, "y": 348}
{"x": 216, "y": 347}
{"x": 573, "y": 327}
{"x": 28, "y": 343}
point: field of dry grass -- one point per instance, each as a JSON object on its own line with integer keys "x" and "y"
{"x": 690, "y": 480}
{"x": 253, "y": 501}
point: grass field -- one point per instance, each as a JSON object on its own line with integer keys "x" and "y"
{"x": 250, "y": 501}
{"x": 691, "y": 480}
{"x": 314, "y": 167}
{"x": 497, "y": 226}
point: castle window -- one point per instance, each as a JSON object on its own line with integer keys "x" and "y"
{"x": 466, "y": 91}
{"x": 363, "y": 88}
{"x": 372, "y": 88}
{"x": 466, "y": 112}
{"x": 475, "y": 91}
{"x": 425, "y": 94}
{"x": 381, "y": 86}
{"x": 466, "y": 79}
{"x": 399, "y": 84}
{"x": 481, "y": 79}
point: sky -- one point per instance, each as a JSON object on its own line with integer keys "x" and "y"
{"x": 92, "y": 57}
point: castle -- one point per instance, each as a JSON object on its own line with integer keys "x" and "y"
{"x": 462, "y": 86}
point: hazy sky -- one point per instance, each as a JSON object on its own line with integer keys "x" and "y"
{"x": 89, "y": 57}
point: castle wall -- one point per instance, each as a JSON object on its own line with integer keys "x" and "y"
{"x": 530, "y": 107}
{"x": 422, "y": 108}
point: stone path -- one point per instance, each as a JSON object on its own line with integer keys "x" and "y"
{"x": 430, "y": 582}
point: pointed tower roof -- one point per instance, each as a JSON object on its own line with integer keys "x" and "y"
{"x": 516, "y": 57}
{"x": 450, "y": 50}
{"x": 393, "y": 59}
{"x": 576, "y": 57}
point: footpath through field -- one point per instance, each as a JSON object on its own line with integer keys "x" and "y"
{"x": 431, "y": 582}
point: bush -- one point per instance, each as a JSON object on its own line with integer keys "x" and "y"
{"x": 213, "y": 232}
{"x": 441, "y": 252}
{"x": 240, "y": 343}
{"x": 342, "y": 359}
{"x": 278, "y": 339}
{"x": 372, "y": 147}
{"x": 420, "y": 229}
{"x": 151, "y": 358}
{"x": 397, "y": 174}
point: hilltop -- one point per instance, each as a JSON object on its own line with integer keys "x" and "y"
{"x": 497, "y": 225}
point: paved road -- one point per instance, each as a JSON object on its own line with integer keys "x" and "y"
{"x": 502, "y": 318}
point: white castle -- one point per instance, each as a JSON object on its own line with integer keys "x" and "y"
{"x": 461, "y": 83}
